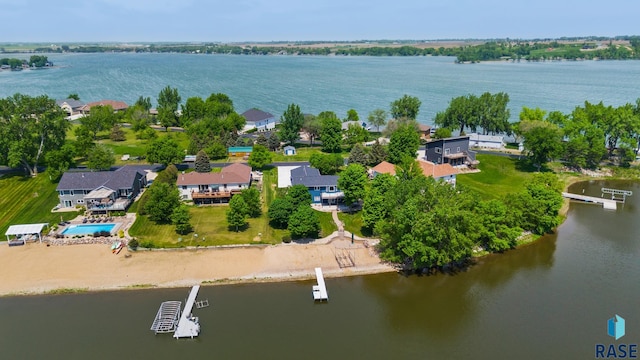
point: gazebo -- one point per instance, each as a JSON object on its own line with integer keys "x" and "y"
{"x": 23, "y": 232}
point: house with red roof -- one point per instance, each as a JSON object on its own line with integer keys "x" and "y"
{"x": 214, "y": 188}
{"x": 444, "y": 172}
{"x": 116, "y": 105}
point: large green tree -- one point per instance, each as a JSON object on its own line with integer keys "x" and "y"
{"x": 59, "y": 161}
{"x": 180, "y": 218}
{"x": 30, "y": 127}
{"x": 163, "y": 199}
{"x": 542, "y": 141}
{"x": 298, "y": 195}
{"x": 328, "y": 164}
{"x": 168, "y": 102}
{"x": 375, "y": 205}
{"x": 304, "y": 223}
{"x": 353, "y": 182}
{"x": 165, "y": 151}
{"x": 377, "y": 118}
{"x": 406, "y": 107}
{"x": 279, "y": 212}
{"x": 358, "y": 155}
{"x": 202, "y": 164}
{"x": 100, "y": 118}
{"x": 290, "y": 124}
{"x": 260, "y": 157}
{"x": 237, "y": 213}
{"x": 404, "y": 142}
{"x": 331, "y": 132}
{"x": 251, "y": 197}
{"x": 312, "y": 127}
{"x": 100, "y": 157}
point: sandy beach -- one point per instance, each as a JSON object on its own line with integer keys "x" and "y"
{"x": 37, "y": 268}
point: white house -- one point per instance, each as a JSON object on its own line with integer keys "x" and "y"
{"x": 486, "y": 141}
{"x": 210, "y": 188}
{"x": 258, "y": 119}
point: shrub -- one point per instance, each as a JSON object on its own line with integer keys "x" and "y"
{"x": 133, "y": 244}
{"x": 286, "y": 238}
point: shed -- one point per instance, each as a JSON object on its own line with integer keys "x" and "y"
{"x": 289, "y": 150}
{"x": 24, "y": 232}
{"x": 240, "y": 150}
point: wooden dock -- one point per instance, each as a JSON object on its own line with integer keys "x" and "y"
{"x": 188, "y": 325}
{"x": 607, "y": 204}
{"x": 320, "y": 290}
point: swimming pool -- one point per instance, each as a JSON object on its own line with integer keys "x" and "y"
{"x": 88, "y": 229}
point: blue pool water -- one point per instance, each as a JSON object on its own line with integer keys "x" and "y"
{"x": 87, "y": 229}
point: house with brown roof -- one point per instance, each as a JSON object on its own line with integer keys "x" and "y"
{"x": 444, "y": 172}
{"x": 214, "y": 188}
{"x": 116, "y": 105}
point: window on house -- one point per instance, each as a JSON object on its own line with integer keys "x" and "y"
{"x": 332, "y": 188}
{"x": 184, "y": 187}
{"x": 447, "y": 151}
{"x": 80, "y": 201}
{"x": 458, "y": 149}
{"x": 316, "y": 199}
{"x": 438, "y": 151}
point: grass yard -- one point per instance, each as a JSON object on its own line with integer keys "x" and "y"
{"x": 352, "y": 222}
{"x": 499, "y": 175}
{"x": 27, "y": 200}
{"x": 303, "y": 154}
{"x": 327, "y": 226}
{"x": 210, "y": 223}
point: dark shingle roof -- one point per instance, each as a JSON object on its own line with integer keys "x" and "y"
{"x": 255, "y": 115}
{"x": 123, "y": 178}
{"x": 309, "y": 177}
{"x": 72, "y": 102}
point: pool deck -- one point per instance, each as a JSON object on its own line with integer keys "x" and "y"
{"x": 121, "y": 222}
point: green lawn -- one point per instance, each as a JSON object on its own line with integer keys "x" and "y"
{"x": 499, "y": 175}
{"x": 327, "y": 226}
{"x": 303, "y": 153}
{"x": 352, "y": 222}
{"x": 27, "y": 200}
{"x": 210, "y": 224}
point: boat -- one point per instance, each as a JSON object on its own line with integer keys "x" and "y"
{"x": 117, "y": 246}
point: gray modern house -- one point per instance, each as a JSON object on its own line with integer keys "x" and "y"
{"x": 258, "y": 119}
{"x": 454, "y": 151}
{"x": 101, "y": 191}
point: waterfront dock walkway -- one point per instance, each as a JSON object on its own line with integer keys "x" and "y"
{"x": 320, "y": 290}
{"x": 607, "y": 204}
{"x": 188, "y": 325}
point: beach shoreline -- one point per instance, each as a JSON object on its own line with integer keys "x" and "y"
{"x": 36, "y": 269}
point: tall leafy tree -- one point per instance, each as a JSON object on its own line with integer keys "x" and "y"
{"x": 378, "y": 153}
{"x": 99, "y": 119}
{"x": 251, "y": 197}
{"x": 377, "y": 118}
{"x": 304, "y": 223}
{"x": 542, "y": 141}
{"x": 493, "y": 114}
{"x": 331, "y": 132}
{"x": 358, "y": 155}
{"x": 353, "y": 182}
{"x": 168, "y": 102}
{"x": 326, "y": 163}
{"x": 291, "y": 123}
{"x": 237, "y": 213}
{"x": 459, "y": 114}
{"x": 279, "y": 212}
{"x": 59, "y": 161}
{"x": 356, "y": 134}
{"x": 404, "y": 142}
{"x": 375, "y": 205}
{"x": 352, "y": 115}
{"x": 311, "y": 127}
{"x": 30, "y": 127}
{"x": 405, "y": 107}
{"x": 203, "y": 164}
{"x": 298, "y": 195}
{"x": 180, "y": 218}
{"x": 143, "y": 103}
{"x": 100, "y": 158}
{"x": 165, "y": 151}
{"x": 274, "y": 141}
{"x": 193, "y": 111}
{"x": 163, "y": 199}
{"x": 260, "y": 157}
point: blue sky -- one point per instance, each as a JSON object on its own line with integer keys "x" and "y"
{"x": 289, "y": 20}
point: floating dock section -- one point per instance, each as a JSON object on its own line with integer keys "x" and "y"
{"x": 188, "y": 325}
{"x": 320, "y": 290}
{"x": 167, "y": 317}
{"x": 606, "y": 203}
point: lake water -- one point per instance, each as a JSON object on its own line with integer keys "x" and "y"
{"x": 319, "y": 83}
{"x": 548, "y": 300}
